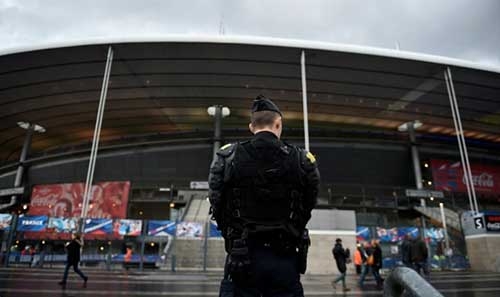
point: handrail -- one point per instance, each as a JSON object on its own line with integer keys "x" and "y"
{"x": 404, "y": 281}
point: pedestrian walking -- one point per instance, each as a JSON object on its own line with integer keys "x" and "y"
{"x": 358, "y": 261}
{"x": 73, "y": 251}
{"x": 369, "y": 265}
{"x": 341, "y": 256}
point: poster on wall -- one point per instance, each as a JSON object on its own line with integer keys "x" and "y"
{"x": 387, "y": 235}
{"x": 32, "y": 223}
{"x": 98, "y": 226}
{"x": 62, "y": 225}
{"x": 161, "y": 228}
{"x": 363, "y": 233}
{"x": 190, "y": 229}
{"x": 5, "y": 221}
{"x": 214, "y": 232}
{"x": 492, "y": 222}
{"x": 108, "y": 200}
{"x": 449, "y": 176}
{"x": 124, "y": 227}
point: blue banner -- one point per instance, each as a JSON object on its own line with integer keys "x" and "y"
{"x": 213, "y": 231}
{"x": 5, "y": 221}
{"x": 161, "y": 228}
{"x": 63, "y": 225}
{"x": 32, "y": 223}
{"x": 387, "y": 235}
{"x": 363, "y": 233}
{"x": 98, "y": 226}
{"x": 434, "y": 234}
{"x": 413, "y": 232}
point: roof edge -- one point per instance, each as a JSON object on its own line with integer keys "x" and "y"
{"x": 262, "y": 41}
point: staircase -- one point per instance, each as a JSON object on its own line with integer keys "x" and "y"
{"x": 434, "y": 213}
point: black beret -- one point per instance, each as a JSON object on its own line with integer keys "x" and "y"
{"x": 262, "y": 103}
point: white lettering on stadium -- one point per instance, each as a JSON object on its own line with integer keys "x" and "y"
{"x": 483, "y": 180}
{"x": 32, "y": 222}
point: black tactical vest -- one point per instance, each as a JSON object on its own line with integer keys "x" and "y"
{"x": 264, "y": 189}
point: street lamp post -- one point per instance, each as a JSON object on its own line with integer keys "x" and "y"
{"x": 218, "y": 112}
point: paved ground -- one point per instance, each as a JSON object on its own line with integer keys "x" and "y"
{"x": 21, "y": 282}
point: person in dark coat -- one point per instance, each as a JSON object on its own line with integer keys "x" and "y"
{"x": 73, "y": 250}
{"x": 406, "y": 251}
{"x": 341, "y": 256}
{"x": 377, "y": 262}
{"x": 419, "y": 255}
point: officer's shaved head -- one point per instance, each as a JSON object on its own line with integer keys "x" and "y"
{"x": 262, "y": 119}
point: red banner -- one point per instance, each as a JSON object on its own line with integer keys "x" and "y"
{"x": 449, "y": 176}
{"x": 108, "y": 200}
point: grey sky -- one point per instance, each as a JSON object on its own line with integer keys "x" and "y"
{"x": 465, "y": 29}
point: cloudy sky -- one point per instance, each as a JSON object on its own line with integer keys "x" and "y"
{"x": 465, "y": 29}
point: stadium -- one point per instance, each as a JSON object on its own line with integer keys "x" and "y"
{"x": 158, "y": 134}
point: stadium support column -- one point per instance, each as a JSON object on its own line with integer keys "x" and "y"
{"x": 462, "y": 146}
{"x": 95, "y": 140}
{"x": 304, "y": 100}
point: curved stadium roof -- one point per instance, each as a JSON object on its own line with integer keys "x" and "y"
{"x": 165, "y": 85}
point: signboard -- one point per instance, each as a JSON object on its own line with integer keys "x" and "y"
{"x": 98, "y": 226}
{"x": 449, "y": 176}
{"x": 424, "y": 193}
{"x": 12, "y": 191}
{"x": 492, "y": 222}
{"x": 434, "y": 234}
{"x": 198, "y": 185}
{"x": 413, "y": 232}
{"x": 478, "y": 222}
{"x": 5, "y": 221}
{"x": 127, "y": 227}
{"x": 32, "y": 223}
{"x": 108, "y": 200}
{"x": 63, "y": 225}
{"x": 161, "y": 228}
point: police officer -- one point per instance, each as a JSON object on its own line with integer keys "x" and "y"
{"x": 262, "y": 192}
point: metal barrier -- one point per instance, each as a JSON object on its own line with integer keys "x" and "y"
{"x": 404, "y": 281}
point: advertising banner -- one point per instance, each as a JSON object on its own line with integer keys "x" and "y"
{"x": 449, "y": 176}
{"x": 98, "y": 226}
{"x": 363, "y": 233}
{"x": 5, "y": 221}
{"x": 412, "y": 231}
{"x": 434, "y": 234}
{"x": 161, "y": 228}
{"x": 62, "y": 225}
{"x": 32, "y": 223}
{"x": 127, "y": 227}
{"x": 492, "y": 222}
{"x": 387, "y": 235}
{"x": 108, "y": 200}
{"x": 190, "y": 229}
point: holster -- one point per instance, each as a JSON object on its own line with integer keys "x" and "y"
{"x": 304, "y": 244}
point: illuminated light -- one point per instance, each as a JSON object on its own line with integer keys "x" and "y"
{"x": 164, "y": 189}
{"x": 91, "y": 206}
{"x": 426, "y": 165}
{"x": 140, "y": 212}
{"x": 17, "y": 241}
{"x": 432, "y": 198}
{"x": 109, "y": 242}
{"x": 429, "y": 183}
{"x": 152, "y": 244}
{"x": 25, "y": 206}
{"x": 172, "y": 205}
{"x": 50, "y": 206}
{"x": 43, "y": 241}
{"x": 101, "y": 248}
{"x": 79, "y": 205}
